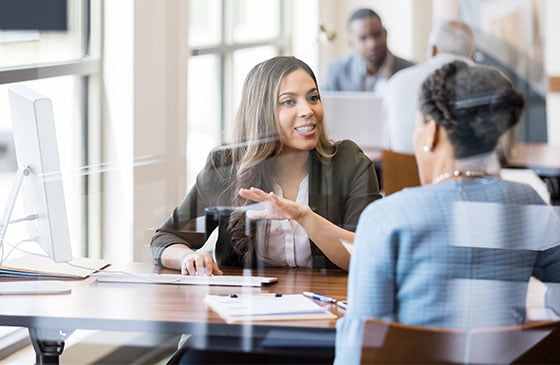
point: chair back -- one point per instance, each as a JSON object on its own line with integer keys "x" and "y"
{"x": 391, "y": 342}
{"x": 532, "y": 343}
{"x": 398, "y": 171}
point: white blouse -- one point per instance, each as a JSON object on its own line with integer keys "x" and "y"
{"x": 288, "y": 244}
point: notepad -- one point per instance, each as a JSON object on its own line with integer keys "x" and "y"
{"x": 266, "y": 307}
{"x": 34, "y": 266}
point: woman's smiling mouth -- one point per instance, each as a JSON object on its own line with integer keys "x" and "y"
{"x": 305, "y": 129}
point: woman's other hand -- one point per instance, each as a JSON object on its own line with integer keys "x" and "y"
{"x": 199, "y": 264}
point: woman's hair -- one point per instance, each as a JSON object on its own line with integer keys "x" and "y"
{"x": 474, "y": 104}
{"x": 453, "y": 37}
{"x": 256, "y": 135}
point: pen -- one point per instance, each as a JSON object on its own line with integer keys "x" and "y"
{"x": 320, "y": 297}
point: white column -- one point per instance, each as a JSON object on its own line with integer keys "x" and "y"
{"x": 145, "y": 75}
{"x": 118, "y": 127}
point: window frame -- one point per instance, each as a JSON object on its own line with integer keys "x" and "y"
{"x": 225, "y": 49}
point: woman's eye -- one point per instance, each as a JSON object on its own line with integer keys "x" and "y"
{"x": 287, "y": 102}
{"x": 314, "y": 98}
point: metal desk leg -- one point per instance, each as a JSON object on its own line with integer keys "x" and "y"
{"x": 48, "y": 344}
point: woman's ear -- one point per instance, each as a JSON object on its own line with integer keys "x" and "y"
{"x": 431, "y": 135}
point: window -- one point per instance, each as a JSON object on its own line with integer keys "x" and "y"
{"x": 63, "y": 66}
{"x": 227, "y": 39}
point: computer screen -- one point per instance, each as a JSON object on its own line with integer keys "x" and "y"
{"x": 42, "y": 15}
{"x": 42, "y": 190}
{"x": 356, "y": 116}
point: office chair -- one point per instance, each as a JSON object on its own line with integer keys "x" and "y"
{"x": 398, "y": 171}
{"x": 391, "y": 342}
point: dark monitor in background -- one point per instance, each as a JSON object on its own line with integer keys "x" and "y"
{"x": 42, "y": 15}
{"x": 38, "y": 173}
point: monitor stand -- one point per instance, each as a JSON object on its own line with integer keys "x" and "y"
{"x": 5, "y": 221}
{"x": 34, "y": 287}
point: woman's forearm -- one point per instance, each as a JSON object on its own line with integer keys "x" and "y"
{"x": 327, "y": 236}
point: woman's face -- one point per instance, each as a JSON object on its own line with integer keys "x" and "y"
{"x": 299, "y": 112}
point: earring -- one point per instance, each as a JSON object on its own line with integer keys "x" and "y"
{"x": 426, "y": 148}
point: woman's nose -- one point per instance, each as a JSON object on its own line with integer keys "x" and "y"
{"x": 304, "y": 109}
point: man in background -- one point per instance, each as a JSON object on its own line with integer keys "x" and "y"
{"x": 452, "y": 40}
{"x": 371, "y": 64}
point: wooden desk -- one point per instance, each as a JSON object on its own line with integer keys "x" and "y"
{"x": 542, "y": 158}
{"x": 158, "y": 308}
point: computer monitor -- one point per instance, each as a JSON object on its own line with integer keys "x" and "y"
{"x": 39, "y": 173}
{"x": 357, "y": 116}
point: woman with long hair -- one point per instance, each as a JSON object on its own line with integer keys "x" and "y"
{"x": 280, "y": 146}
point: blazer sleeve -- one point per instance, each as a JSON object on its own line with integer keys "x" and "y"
{"x": 209, "y": 190}
{"x": 340, "y": 189}
{"x": 360, "y": 185}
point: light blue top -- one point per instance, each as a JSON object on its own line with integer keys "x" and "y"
{"x": 411, "y": 264}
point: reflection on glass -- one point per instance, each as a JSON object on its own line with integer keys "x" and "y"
{"x": 256, "y": 19}
{"x": 205, "y": 23}
{"x": 203, "y": 126}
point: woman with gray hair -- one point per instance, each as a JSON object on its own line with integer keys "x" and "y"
{"x": 452, "y": 252}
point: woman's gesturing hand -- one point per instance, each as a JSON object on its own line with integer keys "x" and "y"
{"x": 274, "y": 206}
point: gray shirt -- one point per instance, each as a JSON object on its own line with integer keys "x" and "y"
{"x": 349, "y": 73}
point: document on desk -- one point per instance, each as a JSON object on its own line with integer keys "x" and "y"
{"x": 34, "y": 266}
{"x": 266, "y": 307}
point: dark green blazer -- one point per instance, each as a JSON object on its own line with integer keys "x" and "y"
{"x": 339, "y": 189}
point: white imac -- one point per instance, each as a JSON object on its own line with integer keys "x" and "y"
{"x": 38, "y": 174}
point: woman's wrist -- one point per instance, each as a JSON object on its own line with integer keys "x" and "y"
{"x": 173, "y": 255}
{"x": 302, "y": 214}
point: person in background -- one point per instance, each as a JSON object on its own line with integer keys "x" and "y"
{"x": 458, "y": 251}
{"x": 279, "y": 146}
{"x": 371, "y": 64}
{"x": 452, "y": 40}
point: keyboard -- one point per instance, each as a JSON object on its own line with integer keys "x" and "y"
{"x": 152, "y": 278}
